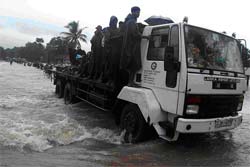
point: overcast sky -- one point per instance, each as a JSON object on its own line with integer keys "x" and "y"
{"x": 24, "y": 20}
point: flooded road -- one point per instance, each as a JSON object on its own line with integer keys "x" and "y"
{"x": 37, "y": 129}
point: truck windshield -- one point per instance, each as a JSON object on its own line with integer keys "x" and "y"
{"x": 210, "y": 50}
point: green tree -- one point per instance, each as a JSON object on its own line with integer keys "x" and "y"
{"x": 9, "y": 53}
{"x": 75, "y": 35}
{"x": 34, "y": 51}
{"x": 39, "y": 40}
{"x": 2, "y": 53}
{"x": 56, "y": 49}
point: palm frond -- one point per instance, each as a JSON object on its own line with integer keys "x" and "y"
{"x": 67, "y": 38}
{"x": 66, "y": 33}
{"x": 83, "y": 39}
{"x": 75, "y": 35}
{"x": 74, "y": 27}
{"x": 79, "y": 32}
{"x": 83, "y": 35}
{"x": 78, "y": 43}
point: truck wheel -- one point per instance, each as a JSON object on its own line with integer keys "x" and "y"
{"x": 67, "y": 94}
{"x": 133, "y": 123}
{"x": 59, "y": 89}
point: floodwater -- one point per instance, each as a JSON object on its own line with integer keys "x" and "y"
{"x": 37, "y": 129}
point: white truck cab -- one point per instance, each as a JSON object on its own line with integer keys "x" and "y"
{"x": 191, "y": 81}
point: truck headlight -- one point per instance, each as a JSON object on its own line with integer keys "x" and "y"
{"x": 240, "y": 103}
{"x": 239, "y": 107}
{"x": 192, "y": 109}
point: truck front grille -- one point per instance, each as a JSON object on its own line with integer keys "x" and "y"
{"x": 216, "y": 106}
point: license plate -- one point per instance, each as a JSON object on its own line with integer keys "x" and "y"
{"x": 223, "y": 123}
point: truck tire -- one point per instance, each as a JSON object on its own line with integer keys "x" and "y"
{"x": 59, "y": 89}
{"x": 133, "y": 123}
{"x": 68, "y": 98}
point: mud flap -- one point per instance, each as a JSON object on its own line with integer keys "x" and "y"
{"x": 162, "y": 133}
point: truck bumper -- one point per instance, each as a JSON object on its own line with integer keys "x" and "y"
{"x": 208, "y": 125}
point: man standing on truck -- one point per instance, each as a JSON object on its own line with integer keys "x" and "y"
{"x": 83, "y": 60}
{"x": 96, "y": 49}
{"x": 112, "y": 48}
{"x": 130, "y": 57}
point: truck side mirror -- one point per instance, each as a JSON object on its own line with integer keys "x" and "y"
{"x": 170, "y": 64}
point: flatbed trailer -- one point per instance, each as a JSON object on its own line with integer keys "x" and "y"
{"x": 73, "y": 87}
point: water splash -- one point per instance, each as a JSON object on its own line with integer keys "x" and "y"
{"x": 32, "y": 118}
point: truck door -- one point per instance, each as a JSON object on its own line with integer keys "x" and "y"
{"x": 165, "y": 84}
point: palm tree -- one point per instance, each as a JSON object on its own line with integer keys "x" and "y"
{"x": 74, "y": 35}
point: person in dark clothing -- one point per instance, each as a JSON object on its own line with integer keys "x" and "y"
{"x": 96, "y": 49}
{"x": 83, "y": 61}
{"x": 73, "y": 53}
{"x": 81, "y": 52}
{"x": 130, "y": 56}
{"x": 72, "y": 56}
{"x": 121, "y": 27}
{"x": 111, "y": 46}
{"x": 89, "y": 65}
{"x": 105, "y": 54}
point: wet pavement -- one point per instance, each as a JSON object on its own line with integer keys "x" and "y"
{"x": 37, "y": 129}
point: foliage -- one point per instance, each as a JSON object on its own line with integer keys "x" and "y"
{"x": 56, "y": 49}
{"x": 35, "y": 51}
{"x": 39, "y": 40}
{"x": 32, "y": 51}
{"x": 2, "y": 53}
{"x": 75, "y": 35}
